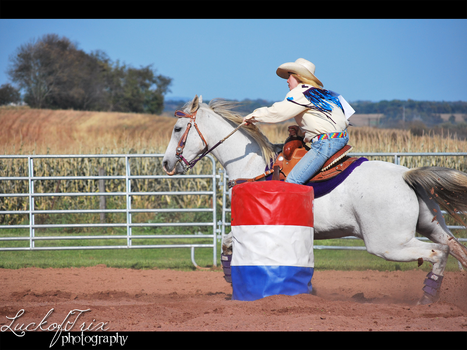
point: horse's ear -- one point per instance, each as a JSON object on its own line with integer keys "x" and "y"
{"x": 195, "y": 103}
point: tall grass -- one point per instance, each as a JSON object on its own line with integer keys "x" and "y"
{"x": 39, "y": 131}
{"x": 42, "y": 131}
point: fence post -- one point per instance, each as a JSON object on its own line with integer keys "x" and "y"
{"x": 32, "y": 230}
{"x": 102, "y": 199}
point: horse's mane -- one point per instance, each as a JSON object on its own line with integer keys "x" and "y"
{"x": 224, "y": 109}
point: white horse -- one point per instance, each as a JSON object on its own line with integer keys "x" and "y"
{"x": 381, "y": 203}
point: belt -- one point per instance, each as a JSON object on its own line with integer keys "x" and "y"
{"x": 331, "y": 135}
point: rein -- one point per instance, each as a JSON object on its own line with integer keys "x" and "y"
{"x": 182, "y": 142}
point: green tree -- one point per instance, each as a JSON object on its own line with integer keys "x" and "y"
{"x": 136, "y": 90}
{"x": 55, "y": 74}
{"x": 40, "y": 67}
{"x": 8, "y": 94}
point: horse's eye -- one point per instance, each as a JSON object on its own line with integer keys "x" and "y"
{"x": 177, "y": 129}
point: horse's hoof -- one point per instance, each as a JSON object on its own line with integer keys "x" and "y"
{"x": 226, "y": 260}
{"x": 431, "y": 289}
{"x": 427, "y": 299}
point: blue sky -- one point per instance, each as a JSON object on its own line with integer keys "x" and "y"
{"x": 363, "y": 59}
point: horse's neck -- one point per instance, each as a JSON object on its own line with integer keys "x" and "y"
{"x": 240, "y": 154}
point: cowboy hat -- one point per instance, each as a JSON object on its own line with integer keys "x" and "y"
{"x": 301, "y": 67}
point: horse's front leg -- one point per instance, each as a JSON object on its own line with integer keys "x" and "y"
{"x": 226, "y": 257}
{"x": 227, "y": 244}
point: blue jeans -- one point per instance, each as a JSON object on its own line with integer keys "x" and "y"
{"x": 314, "y": 159}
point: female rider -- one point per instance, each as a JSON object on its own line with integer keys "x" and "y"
{"x": 321, "y": 116}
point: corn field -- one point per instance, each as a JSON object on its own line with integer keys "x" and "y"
{"x": 84, "y": 167}
{"x": 28, "y": 131}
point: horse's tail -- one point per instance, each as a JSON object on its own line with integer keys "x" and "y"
{"x": 448, "y": 188}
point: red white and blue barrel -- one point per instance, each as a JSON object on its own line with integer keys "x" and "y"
{"x": 272, "y": 230}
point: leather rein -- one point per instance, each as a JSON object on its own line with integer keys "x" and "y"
{"x": 182, "y": 142}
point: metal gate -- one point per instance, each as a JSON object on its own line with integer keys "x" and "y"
{"x": 30, "y": 174}
{"x": 29, "y": 230}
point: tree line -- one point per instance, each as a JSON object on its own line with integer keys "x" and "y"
{"x": 393, "y": 111}
{"x": 428, "y": 112}
{"x": 52, "y": 72}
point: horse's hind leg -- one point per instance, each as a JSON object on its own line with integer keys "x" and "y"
{"x": 395, "y": 241}
{"x": 416, "y": 250}
{"x": 431, "y": 224}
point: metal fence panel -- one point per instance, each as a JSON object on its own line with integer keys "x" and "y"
{"x": 129, "y": 224}
{"x": 219, "y": 182}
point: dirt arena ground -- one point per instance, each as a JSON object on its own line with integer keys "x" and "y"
{"x": 164, "y": 300}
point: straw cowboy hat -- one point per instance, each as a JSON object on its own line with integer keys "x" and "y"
{"x": 301, "y": 67}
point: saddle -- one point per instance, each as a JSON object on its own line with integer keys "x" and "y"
{"x": 294, "y": 149}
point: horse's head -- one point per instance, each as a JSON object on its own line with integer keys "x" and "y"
{"x": 246, "y": 152}
{"x": 186, "y": 142}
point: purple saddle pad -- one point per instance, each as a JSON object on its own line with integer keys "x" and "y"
{"x": 324, "y": 187}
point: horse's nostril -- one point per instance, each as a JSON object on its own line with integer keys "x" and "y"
{"x": 165, "y": 165}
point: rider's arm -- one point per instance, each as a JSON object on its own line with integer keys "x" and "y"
{"x": 279, "y": 111}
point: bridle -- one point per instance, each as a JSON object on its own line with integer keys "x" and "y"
{"x": 182, "y": 143}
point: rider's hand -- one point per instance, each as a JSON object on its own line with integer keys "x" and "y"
{"x": 247, "y": 121}
{"x": 293, "y": 130}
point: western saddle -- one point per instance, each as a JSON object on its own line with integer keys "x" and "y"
{"x": 293, "y": 150}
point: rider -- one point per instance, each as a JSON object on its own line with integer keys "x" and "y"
{"x": 321, "y": 116}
